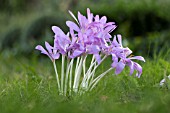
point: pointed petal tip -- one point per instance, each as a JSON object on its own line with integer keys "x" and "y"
{"x": 38, "y": 47}
{"x": 72, "y": 25}
{"x": 53, "y": 27}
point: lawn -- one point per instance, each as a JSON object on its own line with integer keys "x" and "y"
{"x": 28, "y": 85}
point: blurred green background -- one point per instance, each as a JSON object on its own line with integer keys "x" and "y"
{"x": 144, "y": 24}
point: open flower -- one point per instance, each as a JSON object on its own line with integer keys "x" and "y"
{"x": 50, "y": 52}
{"x": 61, "y": 41}
{"x": 91, "y": 32}
{"x": 120, "y": 57}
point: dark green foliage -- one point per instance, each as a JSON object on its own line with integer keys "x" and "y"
{"x": 38, "y": 27}
{"x": 142, "y": 16}
{"x": 143, "y": 22}
{"x": 11, "y": 38}
{"x": 15, "y": 6}
{"x": 39, "y": 30}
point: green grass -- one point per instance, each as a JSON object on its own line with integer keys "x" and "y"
{"x": 29, "y": 86}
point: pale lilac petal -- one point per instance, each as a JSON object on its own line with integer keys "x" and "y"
{"x": 103, "y": 19}
{"x": 57, "y": 31}
{"x": 120, "y": 40}
{"x": 115, "y": 60}
{"x": 63, "y": 43}
{"x": 73, "y": 26}
{"x": 127, "y": 51}
{"x": 110, "y": 28}
{"x": 120, "y": 66}
{"x": 100, "y": 35}
{"x": 109, "y": 24}
{"x": 89, "y": 15}
{"x": 138, "y": 68}
{"x": 93, "y": 49}
{"x": 98, "y": 58}
{"x": 43, "y": 51}
{"x": 115, "y": 43}
{"x": 73, "y": 36}
{"x": 108, "y": 35}
{"x": 138, "y": 58}
{"x": 76, "y": 53}
{"x": 80, "y": 17}
{"x": 131, "y": 66}
{"x": 96, "y": 18}
{"x": 40, "y": 48}
{"x": 49, "y": 47}
{"x": 114, "y": 64}
{"x": 55, "y": 56}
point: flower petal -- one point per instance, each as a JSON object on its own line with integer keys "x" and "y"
{"x": 96, "y": 18}
{"x": 114, "y": 42}
{"x": 57, "y": 31}
{"x": 103, "y": 20}
{"x": 93, "y": 49}
{"x": 76, "y": 53}
{"x": 98, "y": 58}
{"x": 73, "y": 26}
{"x": 89, "y": 15}
{"x": 55, "y": 56}
{"x": 43, "y": 51}
{"x": 120, "y": 40}
{"x": 120, "y": 66}
{"x": 49, "y": 47}
{"x": 115, "y": 60}
{"x": 131, "y": 66}
{"x": 127, "y": 51}
{"x": 138, "y": 68}
{"x": 110, "y": 28}
{"x": 80, "y": 18}
{"x": 138, "y": 58}
{"x": 40, "y": 48}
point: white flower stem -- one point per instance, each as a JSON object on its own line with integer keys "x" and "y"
{"x": 78, "y": 59}
{"x": 97, "y": 79}
{"x": 62, "y": 74}
{"x": 70, "y": 81}
{"x": 92, "y": 76}
{"x": 87, "y": 73}
{"x": 93, "y": 71}
{"x": 84, "y": 66}
{"x": 77, "y": 75}
{"x": 66, "y": 78}
{"x": 57, "y": 78}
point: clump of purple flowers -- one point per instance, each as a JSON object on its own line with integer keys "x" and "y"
{"x": 88, "y": 36}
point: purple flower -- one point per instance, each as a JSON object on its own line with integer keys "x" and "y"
{"x": 92, "y": 32}
{"x": 133, "y": 65}
{"x": 91, "y": 35}
{"x": 61, "y": 41}
{"x": 51, "y": 52}
{"x": 120, "y": 60}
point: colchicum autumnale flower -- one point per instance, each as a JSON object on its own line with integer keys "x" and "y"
{"x": 88, "y": 36}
